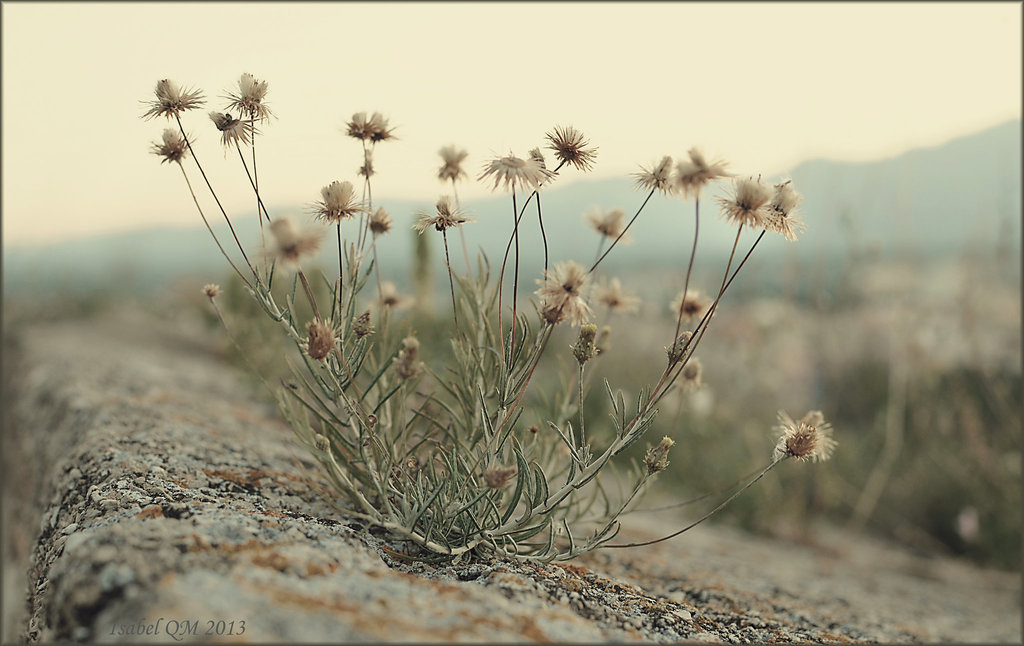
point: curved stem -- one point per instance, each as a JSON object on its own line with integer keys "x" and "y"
{"x": 210, "y": 229}
{"x": 631, "y": 221}
{"x": 215, "y": 198}
{"x": 705, "y": 516}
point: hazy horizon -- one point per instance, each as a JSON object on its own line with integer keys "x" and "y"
{"x": 765, "y": 86}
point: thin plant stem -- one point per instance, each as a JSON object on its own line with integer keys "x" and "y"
{"x": 255, "y": 187}
{"x": 705, "y": 516}
{"x": 689, "y": 268}
{"x": 215, "y": 198}
{"x": 462, "y": 233}
{"x": 451, "y": 283}
{"x": 210, "y": 229}
{"x": 515, "y": 276}
{"x": 583, "y": 433}
{"x": 543, "y": 235}
{"x": 616, "y": 241}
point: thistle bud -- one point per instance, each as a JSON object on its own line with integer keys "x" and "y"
{"x": 675, "y": 353}
{"x": 362, "y": 326}
{"x": 656, "y": 458}
{"x": 584, "y": 350}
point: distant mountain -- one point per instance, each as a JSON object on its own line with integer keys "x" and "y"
{"x": 939, "y": 200}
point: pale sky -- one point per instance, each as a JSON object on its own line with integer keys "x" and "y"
{"x": 762, "y": 85}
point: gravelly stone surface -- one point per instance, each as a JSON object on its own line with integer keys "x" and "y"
{"x": 146, "y": 488}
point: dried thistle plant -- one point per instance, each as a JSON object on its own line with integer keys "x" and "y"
{"x": 463, "y": 460}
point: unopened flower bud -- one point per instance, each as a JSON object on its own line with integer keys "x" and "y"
{"x": 362, "y": 326}
{"x": 656, "y": 458}
{"x": 584, "y": 350}
{"x": 675, "y": 353}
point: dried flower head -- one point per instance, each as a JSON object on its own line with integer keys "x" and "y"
{"x": 290, "y": 244}
{"x": 585, "y": 348}
{"x": 407, "y": 365}
{"x": 656, "y": 458}
{"x": 804, "y": 440}
{"x": 172, "y": 148}
{"x": 537, "y": 156}
{"x": 571, "y": 148}
{"x": 362, "y": 326}
{"x": 514, "y": 173}
{"x": 451, "y": 169}
{"x": 657, "y": 178}
{"x": 746, "y": 202}
{"x": 171, "y": 100}
{"x": 694, "y": 304}
{"x": 321, "y": 337}
{"x": 779, "y": 215}
{"x": 561, "y": 294}
{"x": 339, "y": 202}
{"x": 446, "y": 216}
{"x": 249, "y": 98}
{"x": 610, "y": 223}
{"x": 611, "y": 295}
{"x": 498, "y": 477}
{"x": 693, "y": 174}
{"x": 211, "y": 291}
{"x": 375, "y": 128}
{"x": 692, "y": 373}
{"x": 380, "y": 221}
{"x": 389, "y": 296}
{"x": 232, "y": 130}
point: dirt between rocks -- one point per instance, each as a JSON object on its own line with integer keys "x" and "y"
{"x": 149, "y": 496}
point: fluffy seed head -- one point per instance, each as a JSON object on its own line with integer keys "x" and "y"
{"x": 656, "y": 178}
{"x": 561, "y": 294}
{"x": 172, "y": 148}
{"x": 745, "y": 204}
{"x": 374, "y": 129}
{"x": 338, "y": 202}
{"x": 446, "y": 216}
{"x": 694, "y": 304}
{"x": 290, "y": 244}
{"x": 656, "y": 458}
{"x": 451, "y": 170}
{"x": 779, "y": 216}
{"x": 380, "y": 221}
{"x": 513, "y": 173}
{"x": 389, "y": 296}
{"x": 804, "y": 440}
{"x": 611, "y": 295}
{"x": 211, "y": 291}
{"x": 610, "y": 223}
{"x": 232, "y": 130}
{"x": 692, "y": 374}
{"x": 694, "y": 173}
{"x": 248, "y": 100}
{"x": 571, "y": 148}
{"x": 171, "y": 100}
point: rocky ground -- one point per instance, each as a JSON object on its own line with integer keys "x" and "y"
{"x": 149, "y": 495}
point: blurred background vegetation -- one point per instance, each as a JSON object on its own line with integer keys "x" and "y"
{"x": 913, "y": 352}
